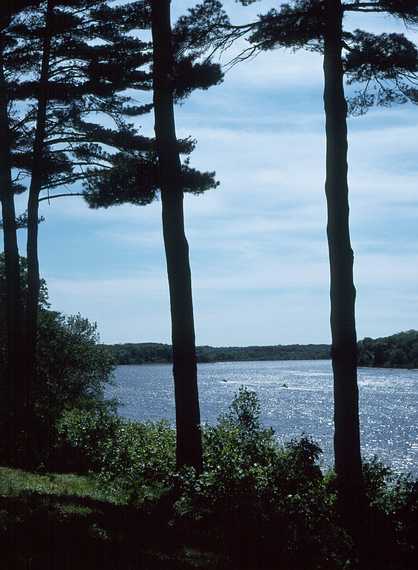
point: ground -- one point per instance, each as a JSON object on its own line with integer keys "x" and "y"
{"x": 61, "y": 521}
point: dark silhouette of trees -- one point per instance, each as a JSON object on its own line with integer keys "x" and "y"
{"x": 177, "y": 71}
{"x": 148, "y": 352}
{"x": 37, "y": 172}
{"x": 60, "y": 66}
{"x": 386, "y": 64}
{"x": 11, "y": 384}
{"x": 189, "y": 439}
{"x": 347, "y": 450}
{"x": 396, "y": 351}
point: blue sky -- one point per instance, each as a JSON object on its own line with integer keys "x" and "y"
{"x": 258, "y": 243}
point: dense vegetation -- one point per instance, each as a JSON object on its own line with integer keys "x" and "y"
{"x": 395, "y": 351}
{"x": 112, "y": 485}
{"x": 257, "y": 504}
{"x": 72, "y": 371}
{"x": 142, "y": 353}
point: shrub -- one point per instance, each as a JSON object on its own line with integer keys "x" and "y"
{"x": 73, "y": 368}
{"x": 82, "y": 437}
{"x": 263, "y": 502}
{"x": 128, "y": 455}
{"x": 139, "y": 454}
{"x": 393, "y": 503}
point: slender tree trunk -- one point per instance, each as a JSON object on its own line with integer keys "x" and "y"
{"x": 189, "y": 440}
{"x": 344, "y": 342}
{"x": 11, "y": 388}
{"x": 33, "y": 212}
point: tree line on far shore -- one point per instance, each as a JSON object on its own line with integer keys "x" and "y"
{"x": 147, "y": 353}
{"x": 396, "y": 351}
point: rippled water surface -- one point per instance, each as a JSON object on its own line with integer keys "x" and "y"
{"x": 388, "y": 401}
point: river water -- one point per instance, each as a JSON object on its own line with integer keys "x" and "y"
{"x": 296, "y": 397}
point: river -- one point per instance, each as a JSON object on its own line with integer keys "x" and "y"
{"x": 296, "y": 397}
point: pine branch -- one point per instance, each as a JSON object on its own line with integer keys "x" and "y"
{"x": 63, "y": 195}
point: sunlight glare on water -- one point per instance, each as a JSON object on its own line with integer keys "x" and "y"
{"x": 296, "y": 397}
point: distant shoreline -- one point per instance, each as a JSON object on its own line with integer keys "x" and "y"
{"x": 149, "y": 353}
{"x": 396, "y": 351}
{"x": 277, "y": 360}
{"x": 156, "y": 363}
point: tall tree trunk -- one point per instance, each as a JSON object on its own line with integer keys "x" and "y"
{"x": 189, "y": 439}
{"x": 11, "y": 388}
{"x": 33, "y": 210}
{"x": 344, "y": 342}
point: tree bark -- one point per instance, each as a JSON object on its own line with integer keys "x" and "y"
{"x": 189, "y": 439}
{"x": 12, "y": 386}
{"x": 347, "y": 452}
{"x": 32, "y": 307}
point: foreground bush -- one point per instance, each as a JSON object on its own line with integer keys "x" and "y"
{"x": 127, "y": 455}
{"x": 259, "y": 504}
{"x": 261, "y": 501}
{"x": 393, "y": 517}
{"x": 255, "y": 499}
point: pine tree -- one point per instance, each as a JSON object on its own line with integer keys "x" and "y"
{"x": 13, "y": 409}
{"x": 177, "y": 71}
{"x": 189, "y": 442}
{"x": 385, "y": 64}
{"x": 56, "y": 75}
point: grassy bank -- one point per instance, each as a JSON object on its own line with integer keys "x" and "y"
{"x": 72, "y": 522}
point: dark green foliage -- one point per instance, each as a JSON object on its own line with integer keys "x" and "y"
{"x": 203, "y": 25}
{"x": 393, "y": 516}
{"x": 278, "y": 352}
{"x": 142, "y": 353}
{"x": 384, "y": 64}
{"x": 396, "y": 351}
{"x": 387, "y": 56}
{"x": 134, "y": 179}
{"x": 261, "y": 502}
{"x": 131, "y": 175}
{"x": 128, "y": 455}
{"x": 190, "y": 76}
{"x": 72, "y": 367}
{"x": 297, "y": 25}
{"x": 72, "y": 371}
{"x": 254, "y": 499}
{"x": 404, "y": 9}
{"x": 82, "y": 436}
{"x": 257, "y": 505}
{"x": 92, "y": 62}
